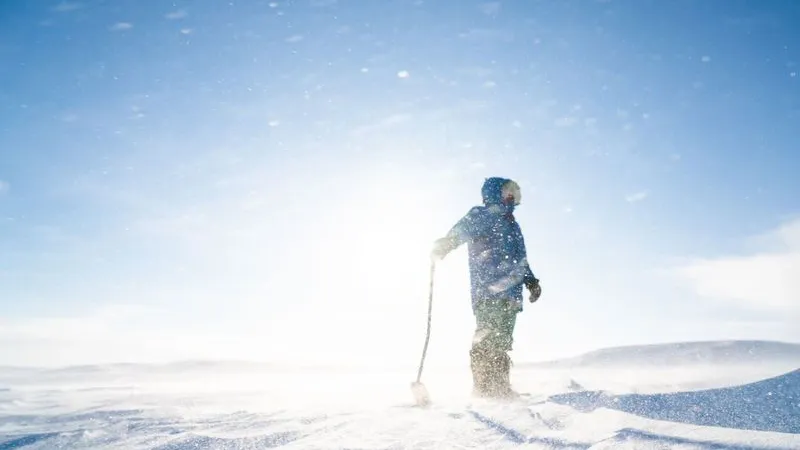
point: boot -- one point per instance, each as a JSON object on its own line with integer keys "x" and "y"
{"x": 495, "y": 381}
{"x": 503, "y": 385}
{"x": 480, "y": 372}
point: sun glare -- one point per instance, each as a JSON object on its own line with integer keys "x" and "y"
{"x": 368, "y": 272}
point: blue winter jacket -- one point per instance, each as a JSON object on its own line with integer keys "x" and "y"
{"x": 498, "y": 263}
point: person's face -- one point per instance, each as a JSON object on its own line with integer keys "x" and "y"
{"x": 511, "y": 193}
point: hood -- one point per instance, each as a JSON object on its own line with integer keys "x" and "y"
{"x": 492, "y": 191}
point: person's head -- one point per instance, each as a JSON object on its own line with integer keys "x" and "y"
{"x": 511, "y": 194}
{"x": 501, "y": 191}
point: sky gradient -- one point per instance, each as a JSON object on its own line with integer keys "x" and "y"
{"x": 264, "y": 180}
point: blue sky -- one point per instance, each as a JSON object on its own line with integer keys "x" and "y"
{"x": 263, "y": 180}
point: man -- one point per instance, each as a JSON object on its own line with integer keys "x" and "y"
{"x": 498, "y": 269}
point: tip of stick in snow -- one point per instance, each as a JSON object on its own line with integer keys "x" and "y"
{"x": 421, "y": 397}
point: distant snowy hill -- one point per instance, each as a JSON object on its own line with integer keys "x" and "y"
{"x": 684, "y": 353}
{"x": 640, "y": 356}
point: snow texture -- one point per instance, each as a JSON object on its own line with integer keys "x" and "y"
{"x": 636, "y": 402}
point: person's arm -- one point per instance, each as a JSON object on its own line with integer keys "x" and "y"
{"x": 529, "y": 279}
{"x": 474, "y": 223}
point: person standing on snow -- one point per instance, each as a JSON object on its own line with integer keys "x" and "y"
{"x": 499, "y": 269}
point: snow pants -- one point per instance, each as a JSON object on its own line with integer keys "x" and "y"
{"x": 493, "y": 339}
{"x": 494, "y": 326}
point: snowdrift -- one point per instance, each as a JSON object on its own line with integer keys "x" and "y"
{"x": 768, "y": 405}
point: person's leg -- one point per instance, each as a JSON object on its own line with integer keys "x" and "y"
{"x": 478, "y": 352}
{"x": 504, "y": 344}
{"x": 493, "y": 338}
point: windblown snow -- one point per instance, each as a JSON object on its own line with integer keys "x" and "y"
{"x": 702, "y": 395}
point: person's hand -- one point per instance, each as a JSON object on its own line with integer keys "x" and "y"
{"x": 535, "y": 289}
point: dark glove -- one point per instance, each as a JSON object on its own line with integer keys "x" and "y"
{"x": 441, "y": 247}
{"x": 535, "y": 289}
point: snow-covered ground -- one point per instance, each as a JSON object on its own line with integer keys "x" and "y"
{"x": 735, "y": 395}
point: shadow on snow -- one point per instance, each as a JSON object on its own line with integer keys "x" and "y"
{"x": 518, "y": 437}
